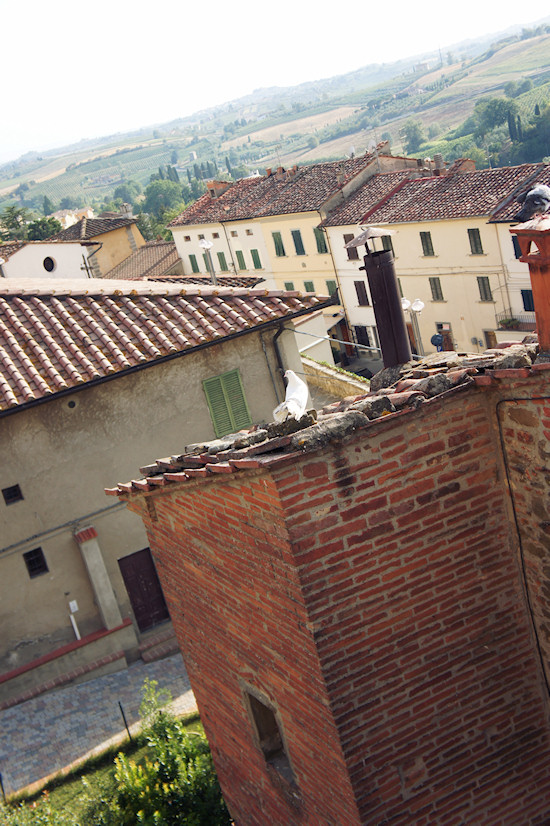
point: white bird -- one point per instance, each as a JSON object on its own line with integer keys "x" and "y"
{"x": 295, "y": 403}
{"x": 535, "y": 201}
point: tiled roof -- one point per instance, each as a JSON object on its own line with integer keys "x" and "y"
{"x": 303, "y": 189}
{"x": 92, "y": 227}
{"x": 248, "y": 281}
{"x": 363, "y": 199}
{"x": 458, "y": 195}
{"x": 416, "y": 384}
{"x": 509, "y": 208}
{"x": 155, "y": 258}
{"x": 10, "y": 247}
{"x": 58, "y": 334}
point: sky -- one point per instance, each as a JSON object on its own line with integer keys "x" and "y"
{"x": 83, "y": 70}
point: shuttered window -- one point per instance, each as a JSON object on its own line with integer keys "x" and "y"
{"x": 222, "y": 262}
{"x": 193, "y": 262}
{"x": 332, "y": 287}
{"x": 227, "y": 403}
{"x": 256, "y": 259}
{"x": 279, "y": 246}
{"x": 476, "y": 246}
{"x": 361, "y": 292}
{"x": 320, "y": 240}
{"x": 426, "y": 241}
{"x": 435, "y": 286}
{"x": 484, "y": 286}
{"x": 353, "y": 252}
{"x": 240, "y": 259}
{"x": 298, "y": 243}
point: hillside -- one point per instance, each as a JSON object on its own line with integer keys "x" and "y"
{"x": 318, "y": 120}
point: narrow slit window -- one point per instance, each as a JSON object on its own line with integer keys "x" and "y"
{"x": 269, "y": 736}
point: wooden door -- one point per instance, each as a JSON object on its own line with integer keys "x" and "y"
{"x": 143, "y": 586}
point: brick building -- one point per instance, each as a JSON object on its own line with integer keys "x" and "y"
{"x": 362, "y": 604}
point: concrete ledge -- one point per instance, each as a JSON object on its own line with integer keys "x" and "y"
{"x": 98, "y": 653}
{"x": 334, "y": 382}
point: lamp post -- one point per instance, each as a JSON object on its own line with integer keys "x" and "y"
{"x": 207, "y": 246}
{"x": 414, "y": 308}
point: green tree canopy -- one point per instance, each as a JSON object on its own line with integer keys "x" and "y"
{"x": 13, "y": 223}
{"x": 414, "y": 134}
{"x": 128, "y": 192}
{"x": 43, "y": 228}
{"x": 490, "y": 113}
{"x": 162, "y": 195}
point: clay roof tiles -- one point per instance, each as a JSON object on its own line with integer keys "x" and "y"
{"x": 303, "y": 189}
{"x": 458, "y": 195}
{"x": 363, "y": 199}
{"x": 91, "y": 227}
{"x": 155, "y": 258}
{"x": 56, "y": 335}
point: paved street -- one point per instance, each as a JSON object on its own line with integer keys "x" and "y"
{"x": 48, "y": 733}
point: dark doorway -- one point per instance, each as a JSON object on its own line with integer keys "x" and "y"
{"x": 143, "y": 586}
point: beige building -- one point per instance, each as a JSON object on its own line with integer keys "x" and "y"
{"x": 453, "y": 252}
{"x": 113, "y": 240}
{"x": 91, "y": 371}
{"x": 271, "y": 224}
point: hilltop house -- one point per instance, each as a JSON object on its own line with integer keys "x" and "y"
{"x": 89, "y": 370}
{"x": 45, "y": 259}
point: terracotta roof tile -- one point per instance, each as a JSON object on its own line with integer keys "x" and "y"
{"x": 370, "y": 194}
{"x": 458, "y": 195}
{"x": 61, "y": 334}
{"x": 91, "y": 227}
{"x": 154, "y": 259}
{"x": 437, "y": 376}
{"x": 301, "y": 189}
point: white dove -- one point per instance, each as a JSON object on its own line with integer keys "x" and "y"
{"x": 295, "y": 403}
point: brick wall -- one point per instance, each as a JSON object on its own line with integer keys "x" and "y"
{"x": 373, "y": 593}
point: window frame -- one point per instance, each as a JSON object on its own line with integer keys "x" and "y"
{"x": 474, "y": 237}
{"x": 435, "y": 287}
{"x": 309, "y": 286}
{"x": 289, "y": 286}
{"x": 280, "y": 251}
{"x": 227, "y": 402}
{"x": 36, "y": 563}
{"x": 353, "y": 252}
{"x": 427, "y": 244}
{"x": 484, "y": 287}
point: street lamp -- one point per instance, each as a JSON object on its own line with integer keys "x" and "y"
{"x": 207, "y": 246}
{"x": 414, "y": 308}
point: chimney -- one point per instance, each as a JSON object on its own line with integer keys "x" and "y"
{"x": 268, "y": 172}
{"x": 217, "y": 188}
{"x": 534, "y": 241}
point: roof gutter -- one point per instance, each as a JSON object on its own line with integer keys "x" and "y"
{"x": 137, "y": 368}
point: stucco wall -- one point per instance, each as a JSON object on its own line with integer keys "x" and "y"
{"x": 64, "y": 453}
{"x": 28, "y": 262}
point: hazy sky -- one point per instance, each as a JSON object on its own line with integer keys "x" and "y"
{"x": 73, "y": 70}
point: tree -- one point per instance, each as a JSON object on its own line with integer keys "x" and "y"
{"x": 48, "y": 206}
{"x": 128, "y": 192}
{"x": 174, "y": 156}
{"x": 13, "y": 223}
{"x": 414, "y": 135}
{"x": 43, "y": 228}
{"x": 512, "y": 129}
{"x": 162, "y": 195}
{"x": 490, "y": 113}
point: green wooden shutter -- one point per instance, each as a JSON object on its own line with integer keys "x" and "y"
{"x": 320, "y": 239}
{"x": 193, "y": 262}
{"x": 298, "y": 243}
{"x": 256, "y": 259}
{"x": 227, "y": 403}
{"x": 240, "y": 259}
{"x": 279, "y": 246}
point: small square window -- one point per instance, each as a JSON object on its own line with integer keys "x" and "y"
{"x": 186, "y": 237}
{"x": 12, "y": 494}
{"x": 201, "y": 237}
{"x": 36, "y": 562}
{"x": 233, "y": 233}
{"x": 215, "y": 235}
{"x": 249, "y": 232}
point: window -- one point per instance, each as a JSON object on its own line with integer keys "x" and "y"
{"x": 201, "y": 237}
{"x": 353, "y": 253}
{"x": 298, "y": 243}
{"x": 215, "y": 235}
{"x": 206, "y": 264}
{"x": 289, "y": 285}
{"x": 186, "y": 237}
{"x": 362, "y": 336}
{"x": 484, "y": 288}
{"x": 256, "y": 259}
{"x": 517, "y": 248}
{"x": 426, "y": 241}
{"x": 435, "y": 287}
{"x": 193, "y": 262}
{"x": 48, "y": 264}
{"x": 240, "y": 259}
{"x": 222, "y": 262}
{"x": 387, "y": 243}
{"x": 36, "y": 562}
{"x": 12, "y": 494}
{"x": 308, "y": 287}
{"x": 279, "y": 246}
{"x": 269, "y": 736}
{"x": 233, "y": 233}
{"x": 362, "y": 296}
{"x": 528, "y": 304}
{"x": 332, "y": 287}
{"x": 475, "y": 242}
{"x": 249, "y": 232}
{"x": 227, "y": 403}
{"x": 320, "y": 240}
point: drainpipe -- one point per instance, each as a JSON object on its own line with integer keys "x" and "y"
{"x": 230, "y": 250}
{"x": 99, "y": 245}
{"x": 278, "y": 356}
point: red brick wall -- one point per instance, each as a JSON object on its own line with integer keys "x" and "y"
{"x": 226, "y": 569}
{"x": 373, "y": 590}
